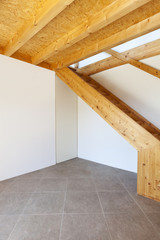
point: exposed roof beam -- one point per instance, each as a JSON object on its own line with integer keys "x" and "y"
{"x": 43, "y": 16}
{"x": 139, "y": 131}
{"x": 135, "y": 63}
{"x": 145, "y": 51}
{"x": 128, "y": 123}
{"x": 1, "y": 50}
{"x": 149, "y": 24}
{"x": 109, "y": 14}
{"x": 45, "y": 65}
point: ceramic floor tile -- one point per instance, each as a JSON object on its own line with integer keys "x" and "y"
{"x": 130, "y": 226}
{"x": 23, "y": 185}
{"x": 57, "y": 171}
{"x": 45, "y": 203}
{"x": 7, "y": 224}
{"x": 155, "y": 219}
{"x": 84, "y": 227}
{"x": 5, "y": 184}
{"x": 147, "y": 205}
{"x": 50, "y": 185}
{"x": 116, "y": 202}
{"x": 79, "y": 172}
{"x": 109, "y": 183}
{"x": 82, "y": 202}
{"x": 99, "y": 170}
{"x": 37, "y": 227}
{"x": 68, "y": 172}
{"x": 35, "y": 174}
{"x": 43, "y": 192}
{"x": 13, "y": 203}
{"x": 129, "y": 180}
{"x": 76, "y": 162}
{"x": 80, "y": 184}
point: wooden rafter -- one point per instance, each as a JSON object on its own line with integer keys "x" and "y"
{"x": 150, "y": 24}
{"x": 145, "y": 51}
{"x": 35, "y": 23}
{"x": 86, "y": 88}
{"x": 135, "y": 63}
{"x": 144, "y": 136}
{"x": 114, "y": 11}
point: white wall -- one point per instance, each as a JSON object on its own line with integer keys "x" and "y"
{"x": 66, "y": 122}
{"x": 97, "y": 141}
{"x": 27, "y": 118}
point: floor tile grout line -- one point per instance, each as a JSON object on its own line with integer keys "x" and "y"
{"x": 52, "y": 214}
{"x": 19, "y": 217}
{"x": 139, "y": 207}
{"x": 93, "y": 177}
{"x": 110, "y": 236}
{"x": 60, "y": 233}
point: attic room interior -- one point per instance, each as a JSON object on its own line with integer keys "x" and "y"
{"x": 79, "y": 120}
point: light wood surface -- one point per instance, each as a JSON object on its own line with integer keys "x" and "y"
{"x": 133, "y": 127}
{"x": 145, "y": 51}
{"x": 99, "y": 20}
{"x": 148, "y": 182}
{"x": 42, "y": 14}
{"x": 125, "y": 58}
{"x": 56, "y": 33}
{"x": 98, "y": 45}
{"x": 144, "y": 136}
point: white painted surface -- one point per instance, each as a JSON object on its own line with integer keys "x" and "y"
{"x": 146, "y": 38}
{"x": 97, "y": 141}
{"x": 138, "y": 89}
{"x": 66, "y": 122}
{"x": 93, "y": 59}
{"x": 27, "y": 118}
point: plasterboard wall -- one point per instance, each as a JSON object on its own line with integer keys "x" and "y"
{"x": 66, "y": 122}
{"x": 97, "y": 141}
{"x": 27, "y": 123}
{"x": 27, "y": 118}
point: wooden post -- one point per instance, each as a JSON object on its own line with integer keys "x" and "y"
{"x": 148, "y": 180}
{"x": 139, "y": 132}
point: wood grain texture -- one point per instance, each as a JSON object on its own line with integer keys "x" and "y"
{"x": 41, "y": 16}
{"x": 85, "y": 50}
{"x": 133, "y": 127}
{"x": 142, "y": 66}
{"x": 145, "y": 51}
{"x": 101, "y": 19}
{"x": 140, "y": 133}
{"x": 148, "y": 182}
{"x": 70, "y": 18}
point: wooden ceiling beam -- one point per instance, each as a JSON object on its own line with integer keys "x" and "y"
{"x": 109, "y": 14}
{"x": 36, "y": 22}
{"x": 125, "y": 58}
{"x": 145, "y": 51}
{"x": 98, "y": 98}
{"x": 145, "y": 26}
{"x": 139, "y": 132}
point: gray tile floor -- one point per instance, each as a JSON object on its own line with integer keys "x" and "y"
{"x": 76, "y": 200}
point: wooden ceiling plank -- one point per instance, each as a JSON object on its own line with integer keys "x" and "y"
{"x": 35, "y": 24}
{"x": 145, "y": 51}
{"x": 111, "y": 13}
{"x": 150, "y": 24}
{"x": 125, "y": 58}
